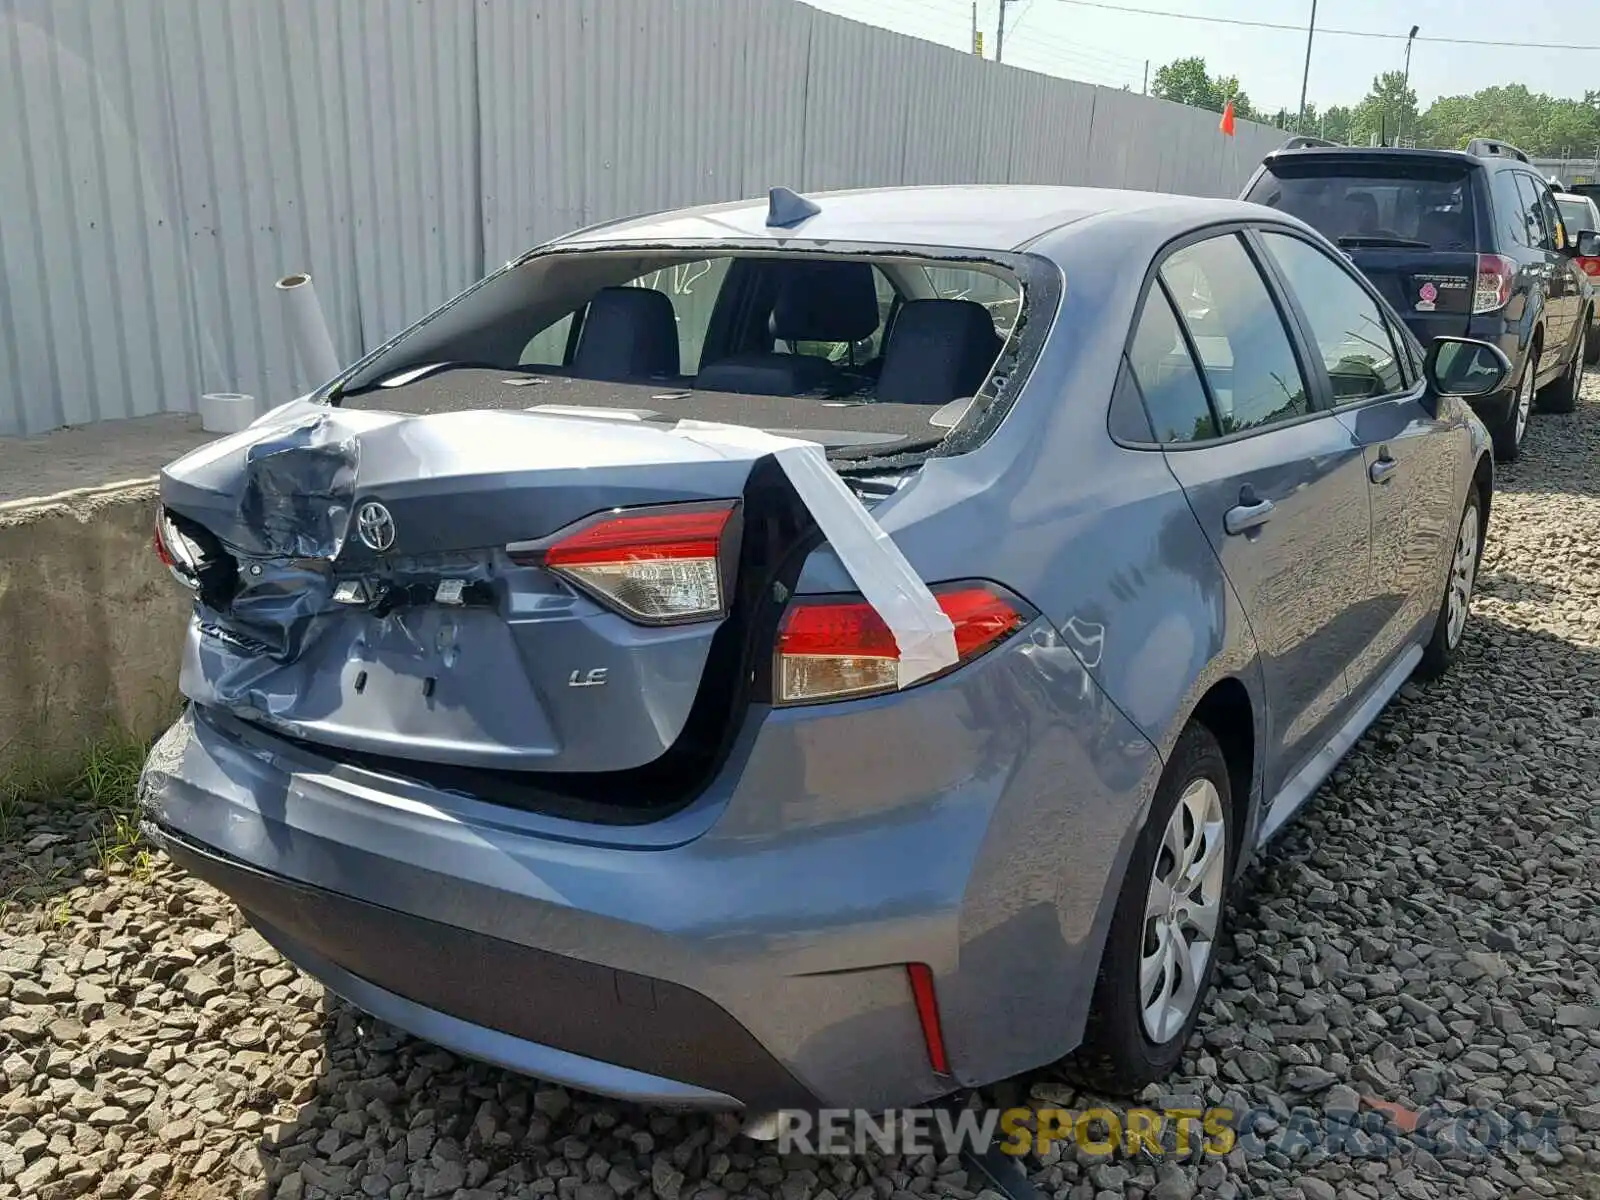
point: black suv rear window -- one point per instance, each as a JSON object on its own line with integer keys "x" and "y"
{"x": 1424, "y": 207}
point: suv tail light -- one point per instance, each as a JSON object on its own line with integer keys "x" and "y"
{"x": 663, "y": 565}
{"x": 1589, "y": 265}
{"x": 839, "y": 648}
{"x": 1496, "y": 273}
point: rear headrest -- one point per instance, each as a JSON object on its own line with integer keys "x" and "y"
{"x": 1360, "y": 212}
{"x": 938, "y": 350}
{"x": 825, "y": 302}
{"x": 628, "y": 333}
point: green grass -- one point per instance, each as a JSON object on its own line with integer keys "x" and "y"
{"x": 104, "y": 781}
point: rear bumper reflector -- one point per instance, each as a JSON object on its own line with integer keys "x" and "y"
{"x": 928, "y": 1015}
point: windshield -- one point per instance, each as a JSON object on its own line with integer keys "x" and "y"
{"x": 1577, "y": 214}
{"x": 1426, "y": 210}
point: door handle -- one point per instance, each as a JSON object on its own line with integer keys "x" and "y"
{"x": 1247, "y": 515}
{"x": 1380, "y": 471}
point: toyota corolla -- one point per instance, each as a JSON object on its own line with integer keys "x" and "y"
{"x": 827, "y": 650}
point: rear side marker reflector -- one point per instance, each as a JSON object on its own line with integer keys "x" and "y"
{"x": 833, "y": 649}
{"x": 928, "y": 1015}
{"x": 662, "y": 565}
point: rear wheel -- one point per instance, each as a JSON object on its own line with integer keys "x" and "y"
{"x": 1562, "y": 395}
{"x": 1592, "y": 350}
{"x": 1454, "y": 609}
{"x": 1509, "y": 431}
{"x": 1160, "y": 954}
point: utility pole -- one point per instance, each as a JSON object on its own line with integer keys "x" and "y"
{"x": 1000, "y": 33}
{"x": 1146, "y": 89}
{"x": 1400, "y": 119}
{"x": 975, "y": 47}
{"x": 1305, "y": 77}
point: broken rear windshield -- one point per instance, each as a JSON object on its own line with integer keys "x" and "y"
{"x": 1407, "y": 204}
{"x": 874, "y": 355}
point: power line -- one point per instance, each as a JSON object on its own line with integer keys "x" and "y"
{"x": 1359, "y": 33}
{"x": 1105, "y": 57}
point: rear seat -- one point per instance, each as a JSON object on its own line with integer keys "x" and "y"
{"x": 816, "y": 302}
{"x": 629, "y": 334}
{"x": 938, "y": 351}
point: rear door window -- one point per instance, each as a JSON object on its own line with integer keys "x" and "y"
{"x": 1511, "y": 210}
{"x": 1540, "y": 235}
{"x": 1174, "y": 396}
{"x": 1244, "y": 349}
{"x": 1352, "y": 337}
{"x": 1421, "y": 205}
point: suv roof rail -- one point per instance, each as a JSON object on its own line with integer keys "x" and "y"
{"x": 1300, "y": 141}
{"x": 1489, "y": 148}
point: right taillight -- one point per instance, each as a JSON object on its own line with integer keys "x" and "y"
{"x": 1589, "y": 265}
{"x": 1496, "y": 273}
{"x": 833, "y": 648}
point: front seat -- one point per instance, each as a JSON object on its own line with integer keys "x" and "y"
{"x": 817, "y": 301}
{"x": 628, "y": 334}
{"x": 938, "y": 351}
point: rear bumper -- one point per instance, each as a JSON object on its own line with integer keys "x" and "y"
{"x": 507, "y": 1003}
{"x": 747, "y": 950}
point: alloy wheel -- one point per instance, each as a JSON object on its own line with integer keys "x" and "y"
{"x": 1183, "y": 909}
{"x": 1463, "y": 569}
{"x": 1525, "y": 391}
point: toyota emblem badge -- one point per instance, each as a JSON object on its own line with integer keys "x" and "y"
{"x": 374, "y": 526}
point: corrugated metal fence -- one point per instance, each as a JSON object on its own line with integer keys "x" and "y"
{"x": 161, "y": 164}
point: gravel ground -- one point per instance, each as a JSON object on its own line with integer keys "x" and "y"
{"x": 1424, "y": 938}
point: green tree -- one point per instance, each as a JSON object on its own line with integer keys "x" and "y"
{"x": 1187, "y": 81}
{"x": 1389, "y": 110}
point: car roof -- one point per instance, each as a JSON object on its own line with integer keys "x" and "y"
{"x": 986, "y": 217}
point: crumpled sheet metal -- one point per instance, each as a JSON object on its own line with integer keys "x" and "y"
{"x": 296, "y": 485}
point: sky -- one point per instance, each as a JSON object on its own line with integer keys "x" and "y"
{"x": 1061, "y": 37}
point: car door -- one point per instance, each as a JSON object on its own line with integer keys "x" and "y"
{"x": 1280, "y": 489}
{"x": 1411, "y": 456}
{"x": 1567, "y": 283}
{"x": 1547, "y": 270}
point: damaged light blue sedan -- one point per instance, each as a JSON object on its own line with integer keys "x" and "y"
{"x": 822, "y": 651}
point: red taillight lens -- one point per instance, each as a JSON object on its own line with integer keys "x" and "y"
{"x": 1496, "y": 273}
{"x": 833, "y": 649}
{"x": 661, "y": 565}
{"x": 927, "y": 1003}
{"x": 176, "y": 552}
{"x": 1589, "y": 265}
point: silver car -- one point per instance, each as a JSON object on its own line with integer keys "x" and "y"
{"x": 822, "y": 651}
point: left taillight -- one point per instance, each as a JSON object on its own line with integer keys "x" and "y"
{"x": 833, "y": 648}
{"x": 1589, "y": 265}
{"x": 662, "y": 565}
{"x": 177, "y": 552}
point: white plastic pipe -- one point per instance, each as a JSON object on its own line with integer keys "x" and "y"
{"x": 307, "y": 328}
{"x": 226, "y": 412}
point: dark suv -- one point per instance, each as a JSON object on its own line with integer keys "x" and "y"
{"x": 1465, "y": 243}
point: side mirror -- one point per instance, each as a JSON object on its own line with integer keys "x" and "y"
{"x": 1466, "y": 368}
{"x": 1589, "y": 243}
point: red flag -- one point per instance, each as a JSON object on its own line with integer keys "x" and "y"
{"x": 1226, "y": 124}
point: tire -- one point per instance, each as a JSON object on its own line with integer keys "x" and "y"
{"x": 1456, "y": 605}
{"x": 1562, "y": 395}
{"x": 1121, "y": 1052}
{"x": 1592, "y": 353}
{"x": 1509, "y": 431}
